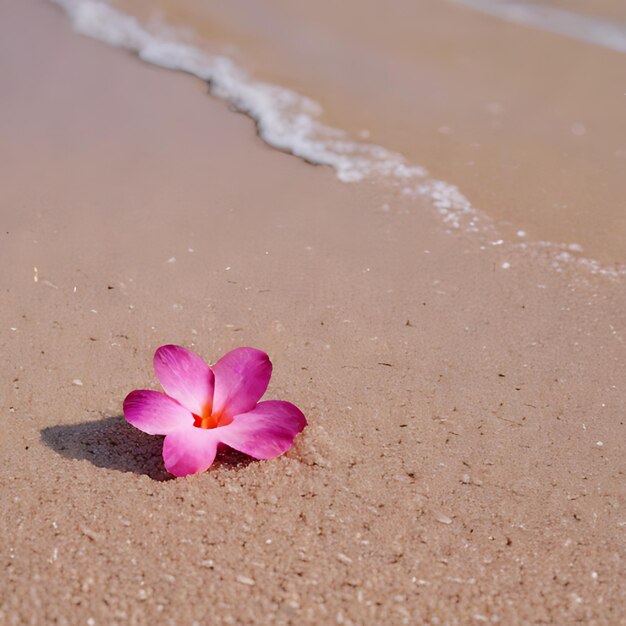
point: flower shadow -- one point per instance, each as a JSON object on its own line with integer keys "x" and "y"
{"x": 112, "y": 443}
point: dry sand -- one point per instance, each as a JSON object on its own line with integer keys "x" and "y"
{"x": 464, "y": 461}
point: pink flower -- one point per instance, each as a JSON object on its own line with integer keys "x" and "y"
{"x": 204, "y": 406}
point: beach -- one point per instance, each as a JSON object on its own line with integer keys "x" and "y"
{"x": 464, "y": 458}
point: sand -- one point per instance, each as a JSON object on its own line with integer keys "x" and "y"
{"x": 464, "y": 457}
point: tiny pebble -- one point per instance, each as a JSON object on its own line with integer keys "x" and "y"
{"x": 77, "y": 381}
{"x": 344, "y": 558}
{"x": 244, "y": 580}
{"x": 444, "y": 519}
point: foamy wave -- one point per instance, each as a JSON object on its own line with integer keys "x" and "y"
{"x": 290, "y": 122}
{"x": 587, "y": 28}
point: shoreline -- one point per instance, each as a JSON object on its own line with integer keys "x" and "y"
{"x": 524, "y": 122}
{"x": 452, "y": 467}
{"x": 291, "y": 123}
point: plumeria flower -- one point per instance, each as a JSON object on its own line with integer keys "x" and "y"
{"x": 204, "y": 406}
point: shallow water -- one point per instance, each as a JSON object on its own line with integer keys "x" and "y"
{"x": 527, "y": 123}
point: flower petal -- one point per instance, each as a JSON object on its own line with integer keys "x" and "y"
{"x": 185, "y": 376}
{"x": 154, "y": 412}
{"x": 265, "y": 432}
{"x": 189, "y": 451}
{"x": 241, "y": 378}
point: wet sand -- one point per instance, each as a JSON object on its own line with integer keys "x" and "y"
{"x": 464, "y": 459}
{"x": 528, "y": 124}
{"x": 611, "y": 9}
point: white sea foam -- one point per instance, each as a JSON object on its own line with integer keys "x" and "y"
{"x": 587, "y": 28}
{"x": 289, "y": 121}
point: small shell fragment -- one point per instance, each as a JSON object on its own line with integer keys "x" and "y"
{"x": 91, "y": 534}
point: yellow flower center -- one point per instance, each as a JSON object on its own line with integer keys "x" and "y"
{"x": 207, "y": 420}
